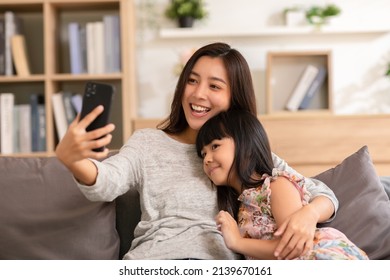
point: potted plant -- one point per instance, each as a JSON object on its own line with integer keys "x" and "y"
{"x": 318, "y": 16}
{"x": 387, "y": 73}
{"x": 186, "y": 11}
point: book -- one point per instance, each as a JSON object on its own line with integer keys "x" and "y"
{"x": 301, "y": 87}
{"x": 16, "y": 130}
{"x": 7, "y": 101}
{"x": 75, "y": 48}
{"x": 9, "y": 20}
{"x": 42, "y": 128}
{"x": 19, "y": 55}
{"x": 59, "y": 114}
{"x": 13, "y": 26}
{"x": 38, "y": 137}
{"x": 112, "y": 43}
{"x": 99, "y": 39}
{"x": 25, "y": 131}
{"x": 2, "y": 46}
{"x": 69, "y": 110}
{"x": 83, "y": 46}
{"x": 313, "y": 88}
{"x": 77, "y": 102}
{"x": 90, "y": 43}
{"x": 95, "y": 47}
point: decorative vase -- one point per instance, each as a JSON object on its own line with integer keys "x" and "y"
{"x": 185, "y": 22}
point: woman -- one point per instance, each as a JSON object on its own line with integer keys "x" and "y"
{"x": 178, "y": 203}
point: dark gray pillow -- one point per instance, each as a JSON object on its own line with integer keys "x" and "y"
{"x": 364, "y": 212}
{"x": 43, "y": 215}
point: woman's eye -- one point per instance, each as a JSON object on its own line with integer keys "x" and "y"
{"x": 214, "y": 87}
{"x": 191, "y": 81}
{"x": 214, "y": 146}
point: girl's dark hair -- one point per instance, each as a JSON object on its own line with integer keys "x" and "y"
{"x": 252, "y": 155}
{"x": 239, "y": 78}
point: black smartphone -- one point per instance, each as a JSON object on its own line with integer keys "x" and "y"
{"x": 97, "y": 94}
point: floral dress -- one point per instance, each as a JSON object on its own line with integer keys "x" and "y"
{"x": 255, "y": 220}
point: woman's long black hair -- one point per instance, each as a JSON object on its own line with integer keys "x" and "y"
{"x": 239, "y": 78}
{"x": 252, "y": 155}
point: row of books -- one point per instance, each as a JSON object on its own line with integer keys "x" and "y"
{"x": 66, "y": 106}
{"x": 308, "y": 85}
{"x": 22, "y": 126}
{"x": 13, "y": 51}
{"x": 94, "y": 47}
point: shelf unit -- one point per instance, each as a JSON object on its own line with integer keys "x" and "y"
{"x": 45, "y": 28}
{"x": 182, "y": 33}
{"x": 284, "y": 70}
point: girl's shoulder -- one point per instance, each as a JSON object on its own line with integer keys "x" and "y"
{"x": 296, "y": 181}
{"x": 276, "y": 173}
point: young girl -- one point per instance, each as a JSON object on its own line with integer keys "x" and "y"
{"x": 237, "y": 158}
{"x": 178, "y": 204}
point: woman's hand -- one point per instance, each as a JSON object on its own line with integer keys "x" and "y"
{"x": 297, "y": 233}
{"x": 77, "y": 143}
{"x": 229, "y": 229}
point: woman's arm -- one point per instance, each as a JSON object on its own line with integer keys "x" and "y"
{"x": 76, "y": 147}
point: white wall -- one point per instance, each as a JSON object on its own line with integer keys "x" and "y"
{"x": 359, "y": 60}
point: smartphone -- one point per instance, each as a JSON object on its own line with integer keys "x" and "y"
{"x": 97, "y": 94}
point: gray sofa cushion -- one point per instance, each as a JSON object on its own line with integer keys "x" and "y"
{"x": 128, "y": 214}
{"x": 385, "y": 180}
{"x": 43, "y": 215}
{"x": 364, "y": 212}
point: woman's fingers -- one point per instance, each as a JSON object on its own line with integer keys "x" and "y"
{"x": 100, "y": 132}
{"x": 89, "y": 118}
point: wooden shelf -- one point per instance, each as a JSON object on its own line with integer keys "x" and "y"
{"x": 45, "y": 28}
{"x": 284, "y": 70}
{"x": 173, "y": 33}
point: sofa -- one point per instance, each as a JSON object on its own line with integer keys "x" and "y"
{"x": 43, "y": 215}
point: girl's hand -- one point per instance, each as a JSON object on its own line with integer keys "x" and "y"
{"x": 77, "y": 143}
{"x": 229, "y": 229}
{"x": 297, "y": 234}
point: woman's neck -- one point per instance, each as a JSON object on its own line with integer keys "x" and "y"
{"x": 188, "y": 136}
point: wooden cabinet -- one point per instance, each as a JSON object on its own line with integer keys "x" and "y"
{"x": 284, "y": 70}
{"x": 45, "y": 25}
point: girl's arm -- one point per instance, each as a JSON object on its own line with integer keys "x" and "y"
{"x": 256, "y": 248}
{"x": 316, "y": 189}
{"x": 297, "y": 231}
{"x": 76, "y": 147}
{"x": 285, "y": 200}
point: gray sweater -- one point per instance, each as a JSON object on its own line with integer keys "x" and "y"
{"x": 178, "y": 203}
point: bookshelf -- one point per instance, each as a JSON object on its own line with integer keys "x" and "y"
{"x": 45, "y": 26}
{"x": 284, "y": 70}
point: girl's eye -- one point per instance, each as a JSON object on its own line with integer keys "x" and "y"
{"x": 203, "y": 154}
{"x": 214, "y": 146}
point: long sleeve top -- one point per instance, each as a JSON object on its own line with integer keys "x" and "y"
{"x": 178, "y": 202}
